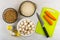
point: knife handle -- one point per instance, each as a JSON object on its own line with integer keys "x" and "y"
{"x": 45, "y": 31}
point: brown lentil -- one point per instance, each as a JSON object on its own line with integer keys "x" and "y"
{"x": 10, "y": 15}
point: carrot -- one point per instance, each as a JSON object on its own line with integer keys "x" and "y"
{"x": 48, "y": 19}
{"x": 50, "y": 15}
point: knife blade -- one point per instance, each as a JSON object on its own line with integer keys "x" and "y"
{"x": 42, "y": 24}
{"x": 41, "y": 21}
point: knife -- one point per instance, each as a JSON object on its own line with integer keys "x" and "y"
{"x": 42, "y": 24}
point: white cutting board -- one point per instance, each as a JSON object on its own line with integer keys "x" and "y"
{"x": 4, "y": 33}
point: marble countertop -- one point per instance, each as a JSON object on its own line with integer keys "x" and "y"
{"x": 4, "y": 33}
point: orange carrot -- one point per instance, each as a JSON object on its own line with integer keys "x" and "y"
{"x": 50, "y": 15}
{"x": 48, "y": 19}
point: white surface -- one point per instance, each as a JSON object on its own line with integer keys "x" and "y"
{"x": 4, "y": 34}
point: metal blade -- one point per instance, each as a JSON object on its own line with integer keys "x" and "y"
{"x": 39, "y": 18}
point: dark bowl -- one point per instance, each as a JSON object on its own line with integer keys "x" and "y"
{"x": 4, "y": 13}
{"x": 23, "y": 3}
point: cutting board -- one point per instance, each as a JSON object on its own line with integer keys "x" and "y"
{"x": 50, "y": 28}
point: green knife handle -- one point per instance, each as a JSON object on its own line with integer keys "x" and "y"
{"x": 45, "y": 31}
